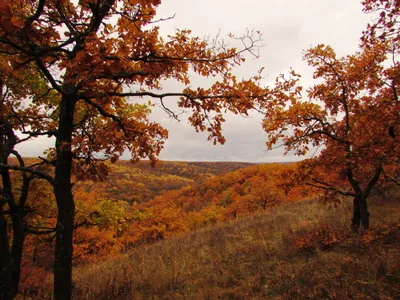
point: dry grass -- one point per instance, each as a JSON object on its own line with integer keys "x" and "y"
{"x": 293, "y": 251}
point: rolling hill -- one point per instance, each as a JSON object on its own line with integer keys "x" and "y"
{"x": 296, "y": 250}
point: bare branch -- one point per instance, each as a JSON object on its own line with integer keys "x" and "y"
{"x": 327, "y": 187}
{"x": 40, "y": 174}
{"x": 40, "y": 230}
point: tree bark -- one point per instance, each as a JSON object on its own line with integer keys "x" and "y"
{"x": 360, "y": 213}
{"x": 19, "y": 233}
{"x": 16, "y": 249}
{"x": 5, "y": 258}
{"x": 355, "y": 221}
{"x": 364, "y": 214}
{"x": 360, "y": 206}
{"x": 65, "y": 201}
{"x": 5, "y": 264}
{"x": 11, "y": 260}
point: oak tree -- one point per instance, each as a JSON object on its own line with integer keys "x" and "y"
{"x": 351, "y": 116}
{"x": 98, "y": 54}
{"x": 16, "y": 85}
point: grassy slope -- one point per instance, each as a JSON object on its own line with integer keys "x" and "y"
{"x": 293, "y": 251}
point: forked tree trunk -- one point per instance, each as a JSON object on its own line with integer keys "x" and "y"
{"x": 360, "y": 206}
{"x": 65, "y": 202}
{"x": 360, "y": 214}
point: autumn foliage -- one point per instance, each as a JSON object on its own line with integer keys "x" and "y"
{"x": 350, "y": 118}
{"x": 91, "y": 56}
{"x": 88, "y": 74}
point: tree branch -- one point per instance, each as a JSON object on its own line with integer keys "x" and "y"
{"x": 39, "y": 230}
{"x": 38, "y": 12}
{"x": 373, "y": 180}
{"x": 40, "y": 174}
{"x": 164, "y": 95}
{"x": 325, "y": 186}
{"x": 108, "y": 115}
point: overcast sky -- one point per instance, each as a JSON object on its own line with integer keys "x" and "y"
{"x": 288, "y": 27}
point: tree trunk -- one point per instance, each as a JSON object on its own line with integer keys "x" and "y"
{"x": 360, "y": 209}
{"x": 360, "y": 214}
{"x": 5, "y": 274}
{"x": 7, "y": 141}
{"x": 355, "y": 221}
{"x": 65, "y": 201}
{"x": 5, "y": 259}
{"x": 19, "y": 234}
{"x": 16, "y": 250}
{"x": 364, "y": 214}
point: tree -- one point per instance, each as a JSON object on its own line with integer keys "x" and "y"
{"x": 352, "y": 115}
{"x": 17, "y": 83}
{"x": 386, "y": 25}
{"x": 97, "y": 53}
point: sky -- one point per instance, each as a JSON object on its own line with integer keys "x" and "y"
{"x": 288, "y": 28}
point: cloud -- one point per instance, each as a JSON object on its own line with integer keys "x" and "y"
{"x": 35, "y": 147}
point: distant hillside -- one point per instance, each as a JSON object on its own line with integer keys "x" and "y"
{"x": 141, "y": 181}
{"x": 244, "y": 191}
{"x": 218, "y": 199}
{"x": 147, "y": 204}
{"x": 190, "y": 170}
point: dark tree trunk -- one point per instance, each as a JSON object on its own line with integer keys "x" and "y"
{"x": 19, "y": 233}
{"x": 65, "y": 201}
{"x": 360, "y": 207}
{"x": 16, "y": 249}
{"x": 5, "y": 263}
{"x": 364, "y": 214}
{"x": 360, "y": 213}
{"x": 355, "y": 221}
{"x": 8, "y": 140}
{"x": 17, "y": 214}
{"x": 5, "y": 258}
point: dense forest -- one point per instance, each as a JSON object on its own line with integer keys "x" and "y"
{"x": 86, "y": 74}
{"x": 142, "y": 181}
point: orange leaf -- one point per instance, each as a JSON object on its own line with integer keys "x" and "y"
{"x": 17, "y": 22}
